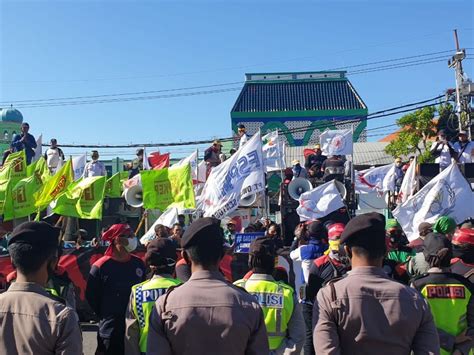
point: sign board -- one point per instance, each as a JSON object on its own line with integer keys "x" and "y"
{"x": 243, "y": 240}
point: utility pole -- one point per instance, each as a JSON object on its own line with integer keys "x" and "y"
{"x": 464, "y": 87}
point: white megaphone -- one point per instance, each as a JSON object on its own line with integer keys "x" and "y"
{"x": 297, "y": 187}
{"x": 134, "y": 196}
{"x": 248, "y": 200}
{"x": 341, "y": 188}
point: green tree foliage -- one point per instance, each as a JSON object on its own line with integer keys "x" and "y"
{"x": 414, "y": 138}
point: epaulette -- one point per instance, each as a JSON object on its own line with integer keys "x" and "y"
{"x": 168, "y": 292}
{"x": 56, "y": 298}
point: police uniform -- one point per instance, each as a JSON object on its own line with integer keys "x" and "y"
{"x": 207, "y": 314}
{"x": 368, "y": 313}
{"x": 451, "y": 300}
{"x": 281, "y": 310}
{"x": 32, "y": 321}
{"x": 144, "y": 295}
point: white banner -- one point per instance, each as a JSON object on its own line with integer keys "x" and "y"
{"x": 78, "y": 165}
{"x": 370, "y": 180}
{"x": 388, "y": 183}
{"x": 240, "y": 175}
{"x": 167, "y": 218}
{"x": 408, "y": 183}
{"x": 273, "y": 152}
{"x": 201, "y": 172}
{"x": 146, "y": 163}
{"x": 336, "y": 142}
{"x": 193, "y": 161}
{"x": 39, "y": 148}
{"x": 320, "y": 201}
{"x": 448, "y": 194}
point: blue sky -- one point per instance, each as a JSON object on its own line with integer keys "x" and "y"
{"x": 51, "y": 49}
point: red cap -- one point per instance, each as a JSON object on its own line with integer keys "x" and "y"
{"x": 464, "y": 236}
{"x": 335, "y": 230}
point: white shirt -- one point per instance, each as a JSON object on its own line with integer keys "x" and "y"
{"x": 444, "y": 158}
{"x": 243, "y": 140}
{"x": 467, "y": 152}
{"x": 94, "y": 168}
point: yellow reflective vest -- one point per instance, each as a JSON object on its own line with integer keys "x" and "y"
{"x": 277, "y": 302}
{"x": 144, "y": 296}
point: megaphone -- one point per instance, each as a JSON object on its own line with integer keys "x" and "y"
{"x": 134, "y": 196}
{"x": 298, "y": 186}
{"x": 341, "y": 188}
{"x": 248, "y": 200}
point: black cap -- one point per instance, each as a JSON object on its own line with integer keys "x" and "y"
{"x": 424, "y": 227}
{"x": 368, "y": 225}
{"x": 160, "y": 248}
{"x": 316, "y": 229}
{"x": 35, "y": 233}
{"x": 434, "y": 242}
{"x": 207, "y": 226}
{"x": 263, "y": 246}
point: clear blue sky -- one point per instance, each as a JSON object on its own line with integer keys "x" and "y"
{"x": 54, "y": 49}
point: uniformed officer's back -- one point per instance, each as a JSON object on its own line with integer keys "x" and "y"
{"x": 31, "y": 320}
{"x": 207, "y": 314}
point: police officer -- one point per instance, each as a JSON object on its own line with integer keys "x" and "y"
{"x": 282, "y": 312}
{"x": 32, "y": 321}
{"x": 450, "y": 296}
{"x": 463, "y": 252}
{"x": 161, "y": 259}
{"x": 366, "y": 312}
{"x": 207, "y": 314}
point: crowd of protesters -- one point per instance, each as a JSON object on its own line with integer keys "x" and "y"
{"x": 350, "y": 289}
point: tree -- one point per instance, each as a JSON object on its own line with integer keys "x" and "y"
{"x": 414, "y": 138}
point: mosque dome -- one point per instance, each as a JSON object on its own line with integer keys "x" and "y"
{"x": 11, "y": 115}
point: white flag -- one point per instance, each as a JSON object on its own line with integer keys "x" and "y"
{"x": 370, "y": 180}
{"x": 146, "y": 163}
{"x": 39, "y": 148}
{"x": 201, "y": 172}
{"x": 240, "y": 175}
{"x": 336, "y": 142}
{"x": 273, "y": 152}
{"x": 167, "y": 218}
{"x": 78, "y": 165}
{"x": 448, "y": 194}
{"x": 388, "y": 183}
{"x": 193, "y": 161}
{"x": 408, "y": 183}
{"x": 320, "y": 201}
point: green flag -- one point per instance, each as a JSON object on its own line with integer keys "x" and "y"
{"x": 113, "y": 186}
{"x": 20, "y": 201}
{"x": 168, "y": 187}
{"x": 57, "y": 184}
{"x": 84, "y": 198}
{"x": 11, "y": 172}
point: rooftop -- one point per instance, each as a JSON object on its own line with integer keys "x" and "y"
{"x": 305, "y": 91}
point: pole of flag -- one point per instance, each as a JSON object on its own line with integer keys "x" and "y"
{"x": 265, "y": 202}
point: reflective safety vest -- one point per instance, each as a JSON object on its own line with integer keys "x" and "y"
{"x": 52, "y": 291}
{"x": 144, "y": 296}
{"x": 277, "y": 302}
{"x": 448, "y": 295}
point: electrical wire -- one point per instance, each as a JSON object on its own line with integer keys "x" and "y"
{"x": 375, "y": 115}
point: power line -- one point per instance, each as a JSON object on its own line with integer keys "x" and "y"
{"x": 375, "y": 115}
{"x": 123, "y": 94}
{"x": 30, "y": 103}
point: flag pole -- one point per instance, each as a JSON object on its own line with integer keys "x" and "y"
{"x": 265, "y": 202}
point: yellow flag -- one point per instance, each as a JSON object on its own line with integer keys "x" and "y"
{"x": 55, "y": 186}
{"x": 11, "y": 172}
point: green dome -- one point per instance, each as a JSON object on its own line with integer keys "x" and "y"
{"x": 11, "y": 115}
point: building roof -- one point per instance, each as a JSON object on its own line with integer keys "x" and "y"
{"x": 316, "y": 91}
{"x": 11, "y": 115}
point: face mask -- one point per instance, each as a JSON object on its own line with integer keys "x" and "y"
{"x": 132, "y": 245}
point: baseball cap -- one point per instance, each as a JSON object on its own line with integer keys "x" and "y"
{"x": 36, "y": 234}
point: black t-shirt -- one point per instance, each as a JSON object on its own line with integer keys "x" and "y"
{"x": 108, "y": 291}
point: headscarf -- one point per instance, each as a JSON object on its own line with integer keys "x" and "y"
{"x": 444, "y": 225}
{"x": 391, "y": 223}
{"x": 115, "y": 231}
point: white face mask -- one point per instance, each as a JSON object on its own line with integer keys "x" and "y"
{"x": 132, "y": 244}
